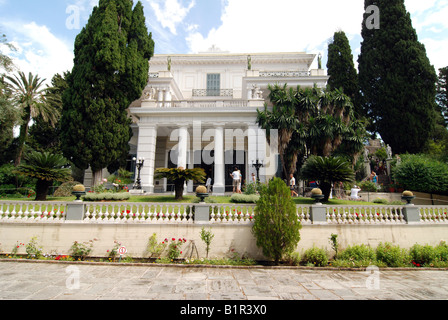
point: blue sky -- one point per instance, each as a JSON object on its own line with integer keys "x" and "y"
{"x": 43, "y": 31}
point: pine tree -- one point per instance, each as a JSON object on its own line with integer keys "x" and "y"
{"x": 341, "y": 68}
{"x": 110, "y": 71}
{"x": 396, "y": 79}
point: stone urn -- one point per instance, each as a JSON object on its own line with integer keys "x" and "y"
{"x": 201, "y": 192}
{"x": 317, "y": 195}
{"x": 78, "y": 191}
{"x": 408, "y": 196}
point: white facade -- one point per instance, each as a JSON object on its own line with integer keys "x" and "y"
{"x": 200, "y": 110}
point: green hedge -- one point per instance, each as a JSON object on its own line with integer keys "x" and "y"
{"x": 244, "y": 198}
{"x": 108, "y": 196}
{"x": 422, "y": 174}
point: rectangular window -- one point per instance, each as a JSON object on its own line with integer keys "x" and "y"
{"x": 213, "y": 84}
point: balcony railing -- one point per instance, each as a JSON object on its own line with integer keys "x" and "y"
{"x": 285, "y": 74}
{"x": 212, "y": 92}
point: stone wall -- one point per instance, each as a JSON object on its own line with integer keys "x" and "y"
{"x": 58, "y": 237}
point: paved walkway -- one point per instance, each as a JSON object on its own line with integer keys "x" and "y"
{"x": 57, "y": 281}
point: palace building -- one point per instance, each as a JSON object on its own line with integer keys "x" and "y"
{"x": 200, "y": 110}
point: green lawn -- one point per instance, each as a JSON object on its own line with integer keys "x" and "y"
{"x": 191, "y": 199}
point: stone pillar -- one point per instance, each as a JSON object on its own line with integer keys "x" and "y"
{"x": 147, "y": 139}
{"x": 160, "y": 97}
{"x": 190, "y": 166}
{"x": 219, "y": 180}
{"x": 75, "y": 211}
{"x": 256, "y": 149}
{"x": 182, "y": 147}
{"x": 168, "y": 99}
{"x": 318, "y": 214}
{"x": 251, "y": 150}
{"x": 201, "y": 213}
{"x": 411, "y": 214}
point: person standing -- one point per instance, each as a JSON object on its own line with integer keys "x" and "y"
{"x": 236, "y": 178}
{"x": 208, "y": 184}
{"x": 292, "y": 186}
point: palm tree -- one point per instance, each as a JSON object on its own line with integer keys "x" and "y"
{"x": 46, "y": 168}
{"x": 327, "y": 170}
{"x": 179, "y": 176}
{"x": 282, "y": 117}
{"x": 30, "y": 97}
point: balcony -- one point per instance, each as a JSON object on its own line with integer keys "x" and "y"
{"x": 213, "y": 93}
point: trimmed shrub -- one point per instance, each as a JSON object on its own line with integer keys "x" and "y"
{"x": 244, "y": 198}
{"x": 121, "y": 196}
{"x": 357, "y": 252}
{"x": 423, "y": 174}
{"x": 423, "y": 255}
{"x": 316, "y": 256}
{"x": 276, "y": 225}
{"x": 65, "y": 189}
{"x": 392, "y": 256}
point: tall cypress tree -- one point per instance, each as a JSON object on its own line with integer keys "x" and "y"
{"x": 396, "y": 79}
{"x": 110, "y": 71}
{"x": 442, "y": 93}
{"x": 341, "y": 68}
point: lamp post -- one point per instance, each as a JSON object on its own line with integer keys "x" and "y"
{"x": 139, "y": 164}
{"x": 257, "y": 165}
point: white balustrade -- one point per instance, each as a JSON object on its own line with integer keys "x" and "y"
{"x": 183, "y": 213}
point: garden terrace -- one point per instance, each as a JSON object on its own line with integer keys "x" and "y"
{"x": 133, "y": 223}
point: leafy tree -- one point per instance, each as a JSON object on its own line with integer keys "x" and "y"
{"x": 29, "y": 95}
{"x": 396, "y": 79}
{"x": 9, "y": 118}
{"x": 179, "y": 176}
{"x": 442, "y": 93}
{"x": 327, "y": 170}
{"x": 276, "y": 225}
{"x": 311, "y": 121}
{"x": 422, "y": 174}
{"x": 341, "y": 67}
{"x": 46, "y": 168}
{"x": 44, "y": 136}
{"x": 282, "y": 117}
{"x": 110, "y": 71}
{"x": 6, "y": 62}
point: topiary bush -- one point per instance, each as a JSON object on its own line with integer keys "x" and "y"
{"x": 108, "y": 196}
{"x": 244, "y": 198}
{"x": 276, "y": 226}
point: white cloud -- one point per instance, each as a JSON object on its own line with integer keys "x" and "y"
{"x": 39, "y": 51}
{"x": 436, "y": 51}
{"x": 171, "y": 13}
{"x": 261, "y": 26}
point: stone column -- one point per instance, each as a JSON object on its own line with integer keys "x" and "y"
{"x": 256, "y": 149}
{"x": 160, "y": 97}
{"x": 219, "y": 180}
{"x": 182, "y": 147}
{"x": 168, "y": 98}
{"x": 251, "y": 150}
{"x": 147, "y": 139}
